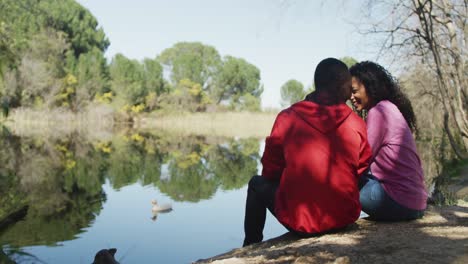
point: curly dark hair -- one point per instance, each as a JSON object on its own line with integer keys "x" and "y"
{"x": 381, "y": 85}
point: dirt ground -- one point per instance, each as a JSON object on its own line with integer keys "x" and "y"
{"x": 440, "y": 237}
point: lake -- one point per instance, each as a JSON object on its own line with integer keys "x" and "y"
{"x": 68, "y": 194}
{"x": 72, "y": 195}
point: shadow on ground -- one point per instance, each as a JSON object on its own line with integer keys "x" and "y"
{"x": 440, "y": 237}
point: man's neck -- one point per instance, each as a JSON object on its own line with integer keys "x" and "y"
{"x": 322, "y": 98}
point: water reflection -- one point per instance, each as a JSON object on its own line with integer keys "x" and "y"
{"x": 51, "y": 189}
{"x": 72, "y": 195}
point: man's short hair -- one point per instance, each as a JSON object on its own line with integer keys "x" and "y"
{"x": 331, "y": 75}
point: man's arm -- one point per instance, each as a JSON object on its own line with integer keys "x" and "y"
{"x": 273, "y": 157}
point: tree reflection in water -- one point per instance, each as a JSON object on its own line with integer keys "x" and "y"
{"x": 59, "y": 180}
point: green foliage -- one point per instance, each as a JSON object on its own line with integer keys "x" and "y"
{"x": 190, "y": 179}
{"x": 55, "y": 172}
{"x": 39, "y": 230}
{"x": 11, "y": 197}
{"x": 28, "y": 17}
{"x": 191, "y": 60}
{"x": 137, "y": 83}
{"x": 237, "y": 82}
{"x": 68, "y": 91}
{"x": 125, "y": 161}
{"x": 187, "y": 96}
{"x": 83, "y": 169}
{"x": 127, "y": 79}
{"x": 61, "y": 179}
{"x": 349, "y": 61}
{"x": 20, "y": 18}
{"x": 7, "y": 55}
{"x": 43, "y": 43}
{"x": 39, "y": 77}
{"x": 92, "y": 76}
{"x": 37, "y": 37}
{"x": 133, "y": 158}
{"x": 77, "y": 22}
{"x": 247, "y": 102}
{"x": 292, "y": 92}
{"x": 154, "y": 81}
{"x": 234, "y": 164}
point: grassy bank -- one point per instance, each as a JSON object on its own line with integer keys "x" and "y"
{"x": 97, "y": 121}
{"x": 101, "y": 119}
{"x": 229, "y": 124}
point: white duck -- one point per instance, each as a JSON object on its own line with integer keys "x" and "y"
{"x": 160, "y": 208}
{"x": 165, "y": 208}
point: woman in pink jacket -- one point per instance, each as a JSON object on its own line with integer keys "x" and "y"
{"x": 394, "y": 189}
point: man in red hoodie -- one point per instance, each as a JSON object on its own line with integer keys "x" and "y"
{"x": 313, "y": 158}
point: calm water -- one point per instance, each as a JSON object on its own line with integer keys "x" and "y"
{"x": 83, "y": 195}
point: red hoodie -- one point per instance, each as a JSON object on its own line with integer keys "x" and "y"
{"x": 317, "y": 152}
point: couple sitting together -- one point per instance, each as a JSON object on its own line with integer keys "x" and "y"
{"x": 323, "y": 163}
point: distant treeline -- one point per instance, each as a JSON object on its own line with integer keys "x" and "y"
{"x": 52, "y": 55}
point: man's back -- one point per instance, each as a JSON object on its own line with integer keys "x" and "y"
{"x": 317, "y": 152}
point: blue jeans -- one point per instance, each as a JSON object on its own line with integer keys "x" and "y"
{"x": 379, "y": 206}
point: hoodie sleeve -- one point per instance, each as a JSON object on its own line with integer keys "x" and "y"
{"x": 273, "y": 157}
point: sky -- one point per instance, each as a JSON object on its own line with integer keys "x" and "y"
{"x": 285, "y": 39}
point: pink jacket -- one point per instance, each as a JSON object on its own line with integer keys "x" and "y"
{"x": 395, "y": 161}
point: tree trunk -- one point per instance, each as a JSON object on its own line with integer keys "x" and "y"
{"x": 456, "y": 149}
{"x": 451, "y": 89}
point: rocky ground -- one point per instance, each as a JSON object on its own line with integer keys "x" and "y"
{"x": 440, "y": 237}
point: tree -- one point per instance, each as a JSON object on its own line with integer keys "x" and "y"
{"x": 186, "y": 96}
{"x": 18, "y": 24}
{"x": 153, "y": 76}
{"x": 28, "y": 17}
{"x": 22, "y": 23}
{"x": 432, "y": 147}
{"x": 247, "y": 102}
{"x": 127, "y": 79}
{"x": 292, "y": 92}
{"x": 92, "y": 76}
{"x": 234, "y": 161}
{"x": 137, "y": 83}
{"x": 237, "y": 83}
{"x": 349, "y": 61}
{"x": 76, "y": 21}
{"x": 154, "y": 83}
{"x": 433, "y": 32}
{"x": 39, "y": 77}
{"x": 7, "y": 55}
{"x": 191, "y": 60}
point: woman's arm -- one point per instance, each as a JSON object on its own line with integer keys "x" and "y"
{"x": 365, "y": 154}
{"x": 377, "y": 125}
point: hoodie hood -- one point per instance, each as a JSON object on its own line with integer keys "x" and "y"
{"x": 324, "y": 118}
